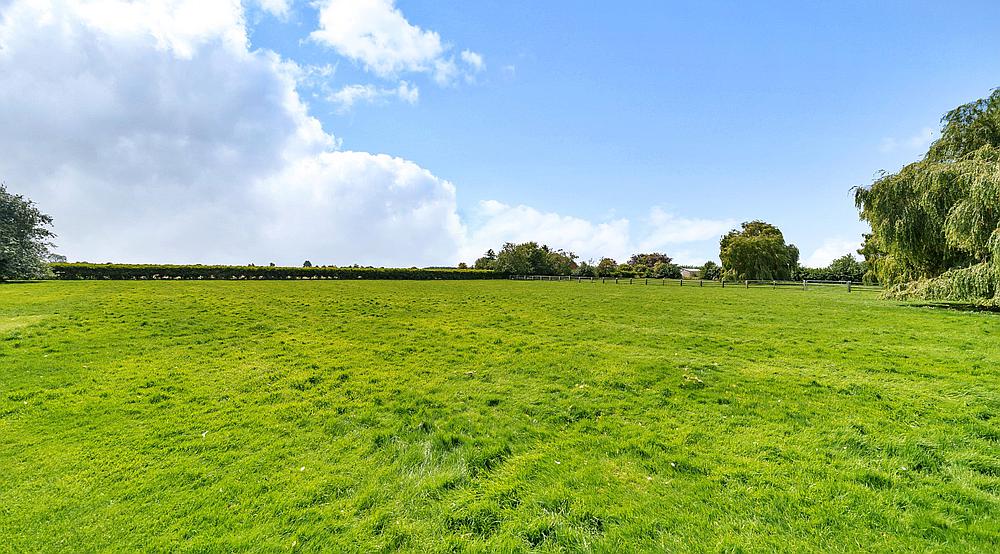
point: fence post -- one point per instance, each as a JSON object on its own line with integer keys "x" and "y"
{"x": 803, "y": 284}
{"x": 645, "y": 281}
{"x": 774, "y": 283}
{"x": 681, "y": 281}
{"x": 723, "y": 281}
{"x": 848, "y": 286}
{"x": 616, "y": 280}
{"x": 630, "y": 280}
{"x": 701, "y": 282}
{"x": 747, "y": 283}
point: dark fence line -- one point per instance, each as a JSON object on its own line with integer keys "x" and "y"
{"x": 72, "y": 271}
{"x": 847, "y": 285}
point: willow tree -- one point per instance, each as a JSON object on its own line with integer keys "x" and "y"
{"x": 936, "y": 223}
{"x": 757, "y": 251}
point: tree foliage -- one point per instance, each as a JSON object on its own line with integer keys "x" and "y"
{"x": 844, "y": 268}
{"x": 757, "y": 251}
{"x": 649, "y": 260}
{"x": 488, "y": 261}
{"x": 711, "y": 271}
{"x": 606, "y": 267}
{"x": 654, "y": 264}
{"x": 25, "y": 238}
{"x": 936, "y": 223}
{"x": 529, "y": 258}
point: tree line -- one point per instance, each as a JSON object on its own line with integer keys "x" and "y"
{"x": 530, "y": 258}
{"x": 756, "y": 251}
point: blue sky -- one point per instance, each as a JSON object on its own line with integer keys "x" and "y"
{"x": 679, "y": 119}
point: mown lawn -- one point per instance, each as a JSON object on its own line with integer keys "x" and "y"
{"x": 492, "y": 416}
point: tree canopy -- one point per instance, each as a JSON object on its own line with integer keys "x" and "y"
{"x": 25, "y": 238}
{"x": 654, "y": 264}
{"x": 528, "y": 258}
{"x": 936, "y": 222}
{"x": 711, "y": 271}
{"x": 844, "y": 268}
{"x": 757, "y": 251}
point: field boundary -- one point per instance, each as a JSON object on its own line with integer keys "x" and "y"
{"x": 116, "y": 272}
{"x": 807, "y": 284}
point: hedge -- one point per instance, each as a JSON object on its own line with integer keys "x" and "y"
{"x": 825, "y": 274}
{"x": 225, "y": 272}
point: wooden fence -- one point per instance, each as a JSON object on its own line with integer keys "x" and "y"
{"x": 849, "y": 286}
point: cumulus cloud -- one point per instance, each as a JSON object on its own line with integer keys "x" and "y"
{"x": 376, "y": 34}
{"x": 152, "y": 133}
{"x": 347, "y": 96}
{"x": 375, "y": 208}
{"x": 666, "y": 229}
{"x": 830, "y": 250}
{"x": 496, "y": 223}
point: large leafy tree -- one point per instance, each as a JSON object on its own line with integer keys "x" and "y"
{"x": 711, "y": 271}
{"x": 649, "y": 260}
{"x": 25, "y": 238}
{"x": 606, "y": 267}
{"x": 936, "y": 223}
{"x": 488, "y": 261}
{"x": 654, "y": 264}
{"x": 757, "y": 251}
{"x": 531, "y": 259}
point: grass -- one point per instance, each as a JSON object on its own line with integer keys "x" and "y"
{"x": 492, "y": 416}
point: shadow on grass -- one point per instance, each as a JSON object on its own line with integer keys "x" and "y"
{"x": 956, "y": 306}
{"x": 5, "y": 283}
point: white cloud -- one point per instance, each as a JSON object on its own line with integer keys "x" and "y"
{"x": 474, "y": 60}
{"x": 916, "y": 143}
{"x": 375, "y": 209}
{"x": 666, "y": 229}
{"x": 496, "y": 223}
{"x": 376, "y": 34}
{"x": 277, "y": 8}
{"x": 349, "y": 95}
{"x": 155, "y": 137}
{"x": 830, "y": 250}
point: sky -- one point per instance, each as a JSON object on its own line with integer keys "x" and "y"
{"x": 421, "y": 133}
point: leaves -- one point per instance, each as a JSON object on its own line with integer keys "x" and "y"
{"x": 25, "y": 238}
{"x": 757, "y": 251}
{"x": 939, "y": 218}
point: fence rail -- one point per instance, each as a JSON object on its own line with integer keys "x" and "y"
{"x": 849, "y": 286}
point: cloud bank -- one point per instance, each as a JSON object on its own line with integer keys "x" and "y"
{"x": 152, "y": 132}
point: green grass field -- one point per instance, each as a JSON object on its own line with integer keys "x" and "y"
{"x": 492, "y": 416}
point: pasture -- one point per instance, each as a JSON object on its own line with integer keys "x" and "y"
{"x": 492, "y": 416}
